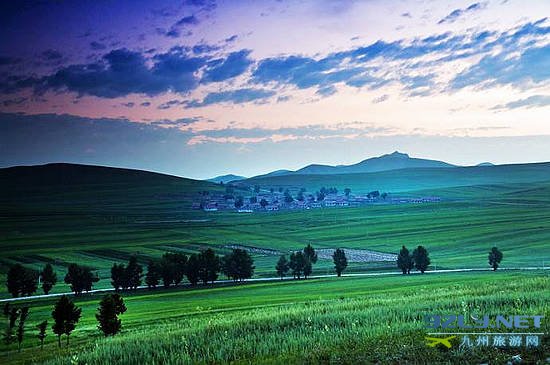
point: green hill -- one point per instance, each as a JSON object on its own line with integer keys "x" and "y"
{"x": 406, "y": 180}
{"x": 71, "y": 188}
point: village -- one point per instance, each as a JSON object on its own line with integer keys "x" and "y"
{"x": 275, "y": 200}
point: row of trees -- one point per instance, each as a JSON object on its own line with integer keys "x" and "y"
{"x": 65, "y": 317}
{"x": 420, "y": 259}
{"x": 301, "y": 263}
{"x": 23, "y": 281}
{"x": 171, "y": 269}
{"x": 204, "y": 267}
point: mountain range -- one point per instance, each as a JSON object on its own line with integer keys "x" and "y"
{"x": 392, "y": 161}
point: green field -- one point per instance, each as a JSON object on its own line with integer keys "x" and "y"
{"x": 347, "y": 320}
{"x": 100, "y": 220}
{"x": 458, "y": 232}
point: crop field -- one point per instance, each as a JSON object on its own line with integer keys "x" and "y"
{"x": 458, "y": 231}
{"x": 316, "y": 320}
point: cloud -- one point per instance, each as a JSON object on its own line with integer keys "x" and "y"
{"x": 119, "y": 73}
{"x": 96, "y": 46}
{"x": 170, "y": 104}
{"x": 188, "y": 20}
{"x": 15, "y": 101}
{"x": 234, "y": 65}
{"x": 308, "y": 132}
{"x": 380, "y": 99}
{"x": 326, "y": 91}
{"x": 534, "y": 101}
{"x": 238, "y": 96}
{"x": 457, "y": 13}
{"x": 51, "y": 55}
{"x": 531, "y": 66}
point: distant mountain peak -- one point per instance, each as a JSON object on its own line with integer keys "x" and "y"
{"x": 398, "y": 154}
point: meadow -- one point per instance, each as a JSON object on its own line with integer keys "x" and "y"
{"x": 342, "y": 320}
{"x": 459, "y": 231}
{"x": 100, "y": 221}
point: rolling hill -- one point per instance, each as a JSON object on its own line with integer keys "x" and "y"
{"x": 74, "y": 187}
{"x": 226, "y": 178}
{"x": 410, "y": 179}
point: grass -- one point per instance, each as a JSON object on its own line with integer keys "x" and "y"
{"x": 345, "y": 320}
{"x": 457, "y": 232}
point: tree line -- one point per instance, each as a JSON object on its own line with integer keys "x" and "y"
{"x": 420, "y": 259}
{"x": 204, "y": 267}
{"x": 65, "y": 316}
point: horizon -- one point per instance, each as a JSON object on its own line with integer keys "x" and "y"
{"x": 203, "y": 88}
{"x": 480, "y": 164}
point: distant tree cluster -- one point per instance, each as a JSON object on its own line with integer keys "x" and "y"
{"x": 238, "y": 265}
{"x": 21, "y": 281}
{"x": 80, "y": 278}
{"x": 419, "y": 259}
{"x": 127, "y": 277}
{"x": 301, "y": 263}
{"x": 204, "y": 267}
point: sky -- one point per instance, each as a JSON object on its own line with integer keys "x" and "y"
{"x": 200, "y": 88}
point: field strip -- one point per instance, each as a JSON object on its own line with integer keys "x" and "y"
{"x": 254, "y": 280}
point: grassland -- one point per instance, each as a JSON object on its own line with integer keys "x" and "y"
{"x": 345, "y": 320}
{"x": 106, "y": 222}
{"x": 99, "y": 221}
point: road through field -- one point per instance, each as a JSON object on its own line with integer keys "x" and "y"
{"x": 253, "y": 280}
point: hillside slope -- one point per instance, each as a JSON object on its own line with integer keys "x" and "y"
{"x": 411, "y": 179}
{"x": 72, "y": 187}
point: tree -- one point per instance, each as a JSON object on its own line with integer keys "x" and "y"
{"x": 118, "y": 276}
{"x": 152, "y": 277}
{"x": 495, "y": 257}
{"x": 238, "y": 265}
{"x": 110, "y": 307}
{"x": 300, "y": 197}
{"x": 173, "y": 268}
{"x": 65, "y": 315}
{"x": 23, "y": 314}
{"x": 21, "y": 280}
{"x": 308, "y": 268}
{"x": 340, "y": 261}
{"x": 288, "y": 196}
{"x": 209, "y": 266}
{"x": 133, "y": 273}
{"x": 239, "y": 202}
{"x": 264, "y": 203}
{"x": 42, "y": 326}
{"x": 48, "y": 277}
{"x": 253, "y": 200}
{"x": 256, "y": 189}
{"x": 310, "y": 254}
{"x": 310, "y": 257}
{"x": 421, "y": 258}
{"x": 405, "y": 261}
{"x": 80, "y": 278}
{"x": 347, "y": 191}
{"x": 12, "y": 314}
{"x": 282, "y": 266}
{"x": 29, "y": 282}
{"x": 192, "y": 270}
{"x": 297, "y": 264}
